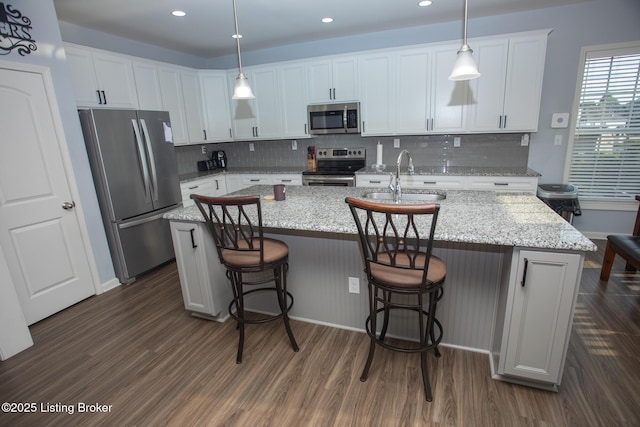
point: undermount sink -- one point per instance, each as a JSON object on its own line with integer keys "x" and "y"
{"x": 407, "y": 197}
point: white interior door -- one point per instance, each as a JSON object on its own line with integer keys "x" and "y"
{"x": 39, "y": 229}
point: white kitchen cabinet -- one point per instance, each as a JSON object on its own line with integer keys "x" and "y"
{"x": 540, "y": 300}
{"x": 417, "y": 182}
{"x": 147, "y": 85}
{"x": 200, "y": 270}
{"x": 191, "y": 95}
{"x": 423, "y": 182}
{"x": 292, "y": 82}
{"x": 101, "y": 79}
{"x": 377, "y": 96}
{"x": 239, "y": 181}
{"x": 503, "y": 183}
{"x": 412, "y": 93}
{"x": 373, "y": 180}
{"x": 507, "y": 96}
{"x": 171, "y": 88}
{"x": 448, "y": 98}
{"x": 210, "y": 186}
{"x": 216, "y": 106}
{"x": 333, "y": 79}
{"x": 257, "y": 118}
{"x": 287, "y": 179}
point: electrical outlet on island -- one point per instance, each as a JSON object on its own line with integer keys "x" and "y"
{"x": 354, "y": 285}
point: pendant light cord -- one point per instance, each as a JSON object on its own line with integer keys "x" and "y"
{"x": 237, "y": 35}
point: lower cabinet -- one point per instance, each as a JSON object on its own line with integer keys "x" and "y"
{"x": 535, "y": 315}
{"x": 212, "y": 186}
{"x": 199, "y": 269}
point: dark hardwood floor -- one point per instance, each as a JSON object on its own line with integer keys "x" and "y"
{"x": 137, "y": 351}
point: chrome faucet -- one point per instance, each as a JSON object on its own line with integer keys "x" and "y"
{"x": 394, "y": 186}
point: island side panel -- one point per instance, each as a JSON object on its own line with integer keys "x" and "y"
{"x": 319, "y": 268}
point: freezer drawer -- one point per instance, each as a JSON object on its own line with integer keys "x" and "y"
{"x": 145, "y": 244}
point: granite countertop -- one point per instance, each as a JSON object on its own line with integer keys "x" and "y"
{"x": 484, "y": 217}
{"x": 186, "y": 177}
{"x": 455, "y": 171}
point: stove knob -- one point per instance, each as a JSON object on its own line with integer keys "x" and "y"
{"x": 349, "y": 152}
{"x": 359, "y": 152}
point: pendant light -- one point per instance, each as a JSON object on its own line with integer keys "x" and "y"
{"x": 464, "y": 67}
{"x": 241, "y": 90}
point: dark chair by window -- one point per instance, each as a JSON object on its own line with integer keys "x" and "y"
{"x": 250, "y": 258}
{"x": 396, "y": 242}
{"x": 627, "y": 246}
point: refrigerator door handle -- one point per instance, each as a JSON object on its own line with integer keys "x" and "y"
{"x": 143, "y": 160}
{"x": 152, "y": 160}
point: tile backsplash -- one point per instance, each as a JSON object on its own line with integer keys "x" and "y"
{"x": 477, "y": 150}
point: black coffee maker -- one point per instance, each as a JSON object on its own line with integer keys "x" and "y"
{"x": 220, "y": 159}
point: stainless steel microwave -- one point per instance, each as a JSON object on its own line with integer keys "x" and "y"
{"x": 334, "y": 118}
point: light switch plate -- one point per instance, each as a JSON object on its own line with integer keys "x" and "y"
{"x": 252, "y": 147}
{"x": 456, "y": 141}
{"x": 294, "y": 145}
{"x": 396, "y": 142}
{"x": 557, "y": 140}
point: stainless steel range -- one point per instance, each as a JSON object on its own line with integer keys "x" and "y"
{"x": 335, "y": 167}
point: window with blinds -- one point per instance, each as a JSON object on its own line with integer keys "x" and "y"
{"x": 605, "y": 156}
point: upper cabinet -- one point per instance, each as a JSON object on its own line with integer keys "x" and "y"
{"x": 376, "y": 93}
{"x": 292, "y": 83}
{"x": 333, "y": 79}
{"x": 101, "y": 79}
{"x": 216, "y": 106}
{"x": 448, "y": 98}
{"x": 147, "y": 85}
{"x": 506, "y": 97}
{"x": 191, "y": 94}
{"x": 413, "y": 114}
{"x": 257, "y": 118}
{"x": 402, "y": 91}
{"x": 408, "y": 92}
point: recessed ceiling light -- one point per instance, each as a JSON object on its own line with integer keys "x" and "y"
{"x": 327, "y": 20}
{"x": 425, "y": 3}
{"x": 178, "y": 13}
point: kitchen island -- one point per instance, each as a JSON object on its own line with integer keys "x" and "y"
{"x": 491, "y": 241}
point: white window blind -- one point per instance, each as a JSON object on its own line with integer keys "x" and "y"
{"x": 605, "y": 156}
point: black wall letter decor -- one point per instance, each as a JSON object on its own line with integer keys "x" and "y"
{"x": 15, "y": 31}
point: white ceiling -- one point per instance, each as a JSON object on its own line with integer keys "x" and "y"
{"x": 206, "y": 30}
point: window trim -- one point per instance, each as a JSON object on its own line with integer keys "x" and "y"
{"x": 585, "y": 53}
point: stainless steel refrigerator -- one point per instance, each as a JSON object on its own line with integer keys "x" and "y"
{"x": 136, "y": 178}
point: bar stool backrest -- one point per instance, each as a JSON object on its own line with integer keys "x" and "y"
{"x": 234, "y": 222}
{"x": 395, "y": 235}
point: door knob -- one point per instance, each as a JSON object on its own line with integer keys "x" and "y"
{"x": 68, "y": 205}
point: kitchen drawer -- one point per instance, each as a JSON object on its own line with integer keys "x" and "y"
{"x": 287, "y": 179}
{"x": 378, "y": 181}
{"x": 506, "y": 183}
{"x": 249, "y": 180}
{"x": 433, "y": 181}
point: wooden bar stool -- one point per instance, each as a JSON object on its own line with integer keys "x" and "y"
{"x": 250, "y": 258}
{"x": 396, "y": 242}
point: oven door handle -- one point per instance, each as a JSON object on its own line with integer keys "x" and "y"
{"x": 315, "y": 180}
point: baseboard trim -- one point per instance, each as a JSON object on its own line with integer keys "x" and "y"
{"x": 111, "y": 284}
